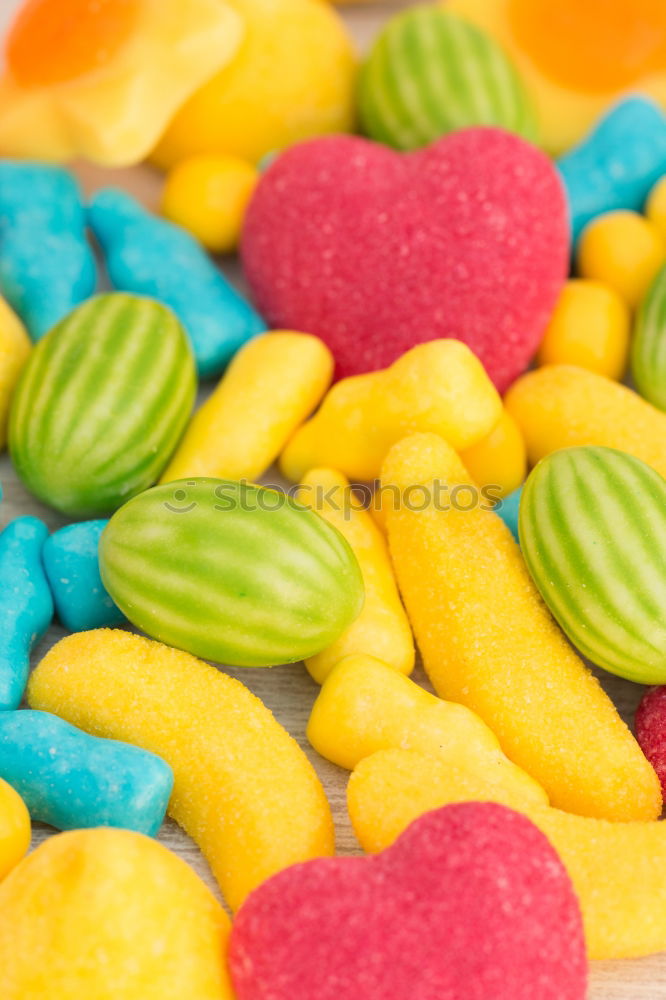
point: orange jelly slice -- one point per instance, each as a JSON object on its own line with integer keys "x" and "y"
{"x": 57, "y": 41}
{"x": 592, "y": 46}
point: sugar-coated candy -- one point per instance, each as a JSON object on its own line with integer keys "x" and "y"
{"x": 101, "y": 404}
{"x": 623, "y": 250}
{"x": 593, "y": 533}
{"x": 648, "y": 345}
{"x": 655, "y": 206}
{"x": 376, "y": 251}
{"x": 437, "y": 386}
{"x": 616, "y": 165}
{"x": 499, "y": 459}
{"x": 26, "y": 605}
{"x": 47, "y": 266}
{"x": 243, "y": 789}
{"x": 577, "y": 58}
{"x": 150, "y": 256}
{"x": 650, "y": 725}
{"x": 14, "y": 351}
{"x": 364, "y": 706}
{"x": 208, "y": 196}
{"x": 108, "y": 914}
{"x": 270, "y": 388}
{"x": 382, "y": 629}
{"x": 618, "y": 869}
{"x": 471, "y": 901}
{"x": 90, "y": 79}
{"x": 508, "y": 511}
{"x": 71, "y": 563}
{"x": 562, "y": 406}
{"x": 430, "y": 72}
{"x": 590, "y": 327}
{"x": 14, "y": 828}
{"x": 71, "y": 780}
{"x": 488, "y": 642}
{"x": 231, "y": 572}
{"x": 292, "y": 78}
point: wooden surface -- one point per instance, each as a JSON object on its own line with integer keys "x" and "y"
{"x": 288, "y": 691}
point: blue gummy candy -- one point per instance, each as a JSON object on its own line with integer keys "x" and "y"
{"x": 153, "y": 257}
{"x": 47, "y": 266}
{"x": 618, "y": 163}
{"x": 72, "y": 780}
{"x": 26, "y": 605}
{"x": 72, "y": 568}
{"x": 508, "y": 511}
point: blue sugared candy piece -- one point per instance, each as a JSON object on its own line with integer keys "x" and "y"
{"x": 150, "y": 256}
{"x": 72, "y": 780}
{"x": 617, "y": 164}
{"x": 26, "y": 605}
{"x": 47, "y": 266}
{"x": 72, "y": 568}
{"x": 508, "y": 511}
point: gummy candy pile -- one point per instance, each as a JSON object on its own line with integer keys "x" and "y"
{"x": 415, "y": 459}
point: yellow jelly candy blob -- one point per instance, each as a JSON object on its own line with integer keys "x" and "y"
{"x": 623, "y": 250}
{"x": 590, "y": 327}
{"x": 488, "y": 642}
{"x": 293, "y": 78}
{"x": 270, "y": 388}
{"x": 618, "y": 869}
{"x": 243, "y": 789}
{"x": 110, "y": 913}
{"x": 381, "y": 629}
{"x": 439, "y": 386}
{"x": 655, "y": 207}
{"x": 208, "y": 196}
{"x": 14, "y": 350}
{"x": 14, "y": 828}
{"x": 560, "y": 406}
{"x": 498, "y": 460}
{"x": 364, "y": 707}
{"x": 577, "y": 58}
{"x": 103, "y": 79}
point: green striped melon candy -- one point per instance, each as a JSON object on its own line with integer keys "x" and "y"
{"x": 429, "y": 73}
{"x": 101, "y": 404}
{"x": 648, "y": 351}
{"x": 592, "y": 527}
{"x": 231, "y": 572}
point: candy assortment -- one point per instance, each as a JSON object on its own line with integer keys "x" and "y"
{"x": 420, "y": 453}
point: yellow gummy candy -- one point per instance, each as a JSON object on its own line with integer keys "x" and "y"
{"x": 439, "y": 386}
{"x": 102, "y": 80}
{"x": 488, "y": 642}
{"x": 560, "y": 406}
{"x": 381, "y": 629}
{"x": 590, "y": 328}
{"x": 499, "y": 460}
{"x": 270, "y": 388}
{"x": 14, "y": 351}
{"x": 618, "y": 869}
{"x": 14, "y": 828}
{"x": 623, "y": 250}
{"x": 110, "y": 914}
{"x": 243, "y": 789}
{"x": 293, "y": 78}
{"x": 364, "y": 706}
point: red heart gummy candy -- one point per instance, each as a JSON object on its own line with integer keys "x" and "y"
{"x": 470, "y": 903}
{"x": 376, "y": 251}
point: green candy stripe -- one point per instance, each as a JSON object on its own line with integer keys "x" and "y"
{"x": 430, "y": 72}
{"x": 648, "y": 352}
{"x": 241, "y": 586}
{"x": 102, "y": 404}
{"x": 592, "y": 528}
